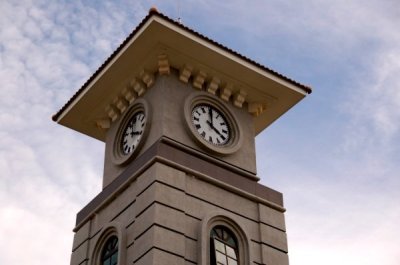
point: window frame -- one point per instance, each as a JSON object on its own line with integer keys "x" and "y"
{"x": 112, "y": 229}
{"x": 230, "y": 221}
{"x": 215, "y": 237}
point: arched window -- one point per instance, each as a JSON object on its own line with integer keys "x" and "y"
{"x": 224, "y": 246}
{"x": 109, "y": 254}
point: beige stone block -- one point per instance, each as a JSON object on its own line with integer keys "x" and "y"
{"x": 143, "y": 244}
{"x": 144, "y": 180}
{"x": 192, "y": 227}
{"x": 169, "y": 217}
{"x": 161, "y": 238}
{"x": 163, "y": 194}
{"x": 114, "y": 208}
{"x": 170, "y": 175}
{"x": 92, "y": 243}
{"x": 273, "y": 237}
{"x": 147, "y": 259}
{"x": 162, "y": 173}
{"x": 128, "y": 215}
{"x": 81, "y": 235}
{"x": 142, "y": 222}
{"x": 191, "y": 249}
{"x": 255, "y": 252}
{"x": 130, "y": 253}
{"x": 200, "y": 209}
{"x": 272, "y": 256}
{"x": 130, "y": 233}
{"x": 159, "y": 257}
{"x": 79, "y": 255}
{"x": 272, "y": 217}
{"x": 169, "y": 241}
{"x": 221, "y": 197}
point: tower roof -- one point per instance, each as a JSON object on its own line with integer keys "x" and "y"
{"x": 159, "y": 44}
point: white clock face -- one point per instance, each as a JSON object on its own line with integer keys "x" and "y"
{"x": 211, "y": 124}
{"x": 133, "y": 133}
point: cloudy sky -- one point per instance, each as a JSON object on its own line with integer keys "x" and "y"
{"x": 335, "y": 156}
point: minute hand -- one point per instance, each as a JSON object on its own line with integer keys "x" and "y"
{"x": 215, "y": 129}
{"x": 211, "y": 116}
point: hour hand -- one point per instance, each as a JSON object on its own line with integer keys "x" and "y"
{"x": 215, "y": 129}
{"x": 135, "y": 133}
{"x": 211, "y": 116}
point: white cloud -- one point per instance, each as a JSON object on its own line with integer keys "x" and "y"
{"x": 48, "y": 49}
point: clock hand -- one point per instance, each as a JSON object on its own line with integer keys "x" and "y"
{"x": 211, "y": 116}
{"x": 215, "y": 129}
{"x": 135, "y": 133}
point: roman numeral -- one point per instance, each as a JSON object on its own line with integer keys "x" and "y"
{"x": 195, "y": 118}
{"x": 224, "y": 131}
{"x": 197, "y": 126}
{"x": 203, "y": 109}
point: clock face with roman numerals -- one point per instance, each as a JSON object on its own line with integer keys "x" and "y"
{"x": 211, "y": 124}
{"x": 133, "y": 132}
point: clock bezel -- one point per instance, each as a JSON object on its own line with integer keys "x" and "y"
{"x": 118, "y": 156}
{"x": 235, "y": 140}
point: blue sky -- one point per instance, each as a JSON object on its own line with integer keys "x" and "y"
{"x": 335, "y": 156}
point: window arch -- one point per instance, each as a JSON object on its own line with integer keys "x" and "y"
{"x": 109, "y": 245}
{"x": 224, "y": 249}
{"x": 109, "y": 254}
{"x": 235, "y": 238}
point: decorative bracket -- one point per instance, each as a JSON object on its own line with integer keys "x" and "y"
{"x": 256, "y": 108}
{"x": 138, "y": 87}
{"x": 199, "y": 80}
{"x": 163, "y": 64}
{"x": 147, "y": 78}
{"x": 185, "y": 73}
{"x": 121, "y": 104}
{"x": 112, "y": 112}
{"x": 103, "y": 123}
{"x": 213, "y": 85}
{"x": 239, "y": 98}
{"x": 129, "y": 94}
{"x": 226, "y": 92}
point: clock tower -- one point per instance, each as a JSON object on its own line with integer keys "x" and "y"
{"x": 178, "y": 114}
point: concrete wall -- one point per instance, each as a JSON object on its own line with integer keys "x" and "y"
{"x": 166, "y": 99}
{"x": 160, "y": 219}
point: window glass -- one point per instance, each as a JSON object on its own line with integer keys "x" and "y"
{"x": 230, "y": 252}
{"x": 221, "y": 258}
{"x": 224, "y": 248}
{"x": 109, "y": 254}
{"x": 232, "y": 261}
{"x": 219, "y": 246}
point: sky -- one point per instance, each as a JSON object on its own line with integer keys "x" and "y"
{"x": 335, "y": 156}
